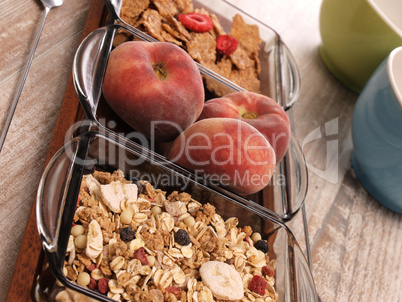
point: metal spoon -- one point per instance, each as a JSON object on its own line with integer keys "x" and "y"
{"x": 48, "y": 4}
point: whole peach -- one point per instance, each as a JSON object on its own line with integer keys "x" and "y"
{"x": 156, "y": 88}
{"x": 259, "y": 111}
{"x": 226, "y": 151}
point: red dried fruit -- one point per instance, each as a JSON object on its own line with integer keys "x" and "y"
{"x": 175, "y": 290}
{"x": 103, "y": 285}
{"x": 92, "y": 283}
{"x": 226, "y": 44}
{"x": 268, "y": 270}
{"x": 91, "y": 267}
{"x": 140, "y": 255}
{"x": 258, "y": 285}
{"x": 196, "y": 22}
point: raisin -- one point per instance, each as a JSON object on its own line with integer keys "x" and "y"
{"x": 140, "y": 187}
{"x": 182, "y": 237}
{"x": 127, "y": 234}
{"x": 262, "y": 245}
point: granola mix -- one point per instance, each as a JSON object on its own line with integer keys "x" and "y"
{"x": 133, "y": 242}
{"x": 158, "y": 18}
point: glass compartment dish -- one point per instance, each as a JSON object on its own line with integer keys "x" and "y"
{"x": 284, "y": 195}
{"x": 59, "y": 188}
{"x": 279, "y": 77}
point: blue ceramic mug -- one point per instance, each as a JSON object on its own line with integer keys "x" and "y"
{"x": 377, "y": 133}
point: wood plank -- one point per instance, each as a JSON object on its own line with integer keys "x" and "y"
{"x": 356, "y": 242}
{"x": 348, "y": 260}
{"x": 26, "y": 265}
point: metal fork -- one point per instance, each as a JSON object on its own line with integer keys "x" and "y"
{"x": 48, "y": 4}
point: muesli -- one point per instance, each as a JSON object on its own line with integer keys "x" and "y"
{"x": 161, "y": 20}
{"x": 133, "y": 242}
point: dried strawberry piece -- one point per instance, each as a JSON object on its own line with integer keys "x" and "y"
{"x": 196, "y": 22}
{"x": 226, "y": 44}
{"x": 175, "y": 290}
{"x": 140, "y": 255}
{"x": 258, "y": 285}
{"x": 92, "y": 283}
{"x": 103, "y": 285}
{"x": 268, "y": 270}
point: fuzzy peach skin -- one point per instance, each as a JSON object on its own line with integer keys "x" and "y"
{"x": 258, "y": 110}
{"x": 226, "y": 151}
{"x": 156, "y": 88}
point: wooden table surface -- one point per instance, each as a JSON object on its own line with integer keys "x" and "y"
{"x": 356, "y": 243}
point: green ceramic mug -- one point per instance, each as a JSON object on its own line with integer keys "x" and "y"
{"x": 357, "y": 35}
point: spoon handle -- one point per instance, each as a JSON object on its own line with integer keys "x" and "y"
{"x": 15, "y": 101}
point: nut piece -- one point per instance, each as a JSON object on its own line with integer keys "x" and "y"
{"x": 94, "y": 240}
{"x": 93, "y": 185}
{"x": 115, "y": 193}
{"x": 223, "y": 280}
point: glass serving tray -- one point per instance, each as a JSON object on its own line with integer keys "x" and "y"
{"x": 57, "y": 198}
{"x": 280, "y": 79}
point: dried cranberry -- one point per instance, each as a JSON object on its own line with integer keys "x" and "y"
{"x": 91, "y": 267}
{"x": 92, "y": 283}
{"x": 140, "y": 255}
{"x": 103, "y": 285}
{"x": 175, "y": 290}
{"x": 268, "y": 270}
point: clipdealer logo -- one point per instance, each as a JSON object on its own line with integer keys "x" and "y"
{"x": 330, "y": 172}
{"x": 116, "y": 155}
